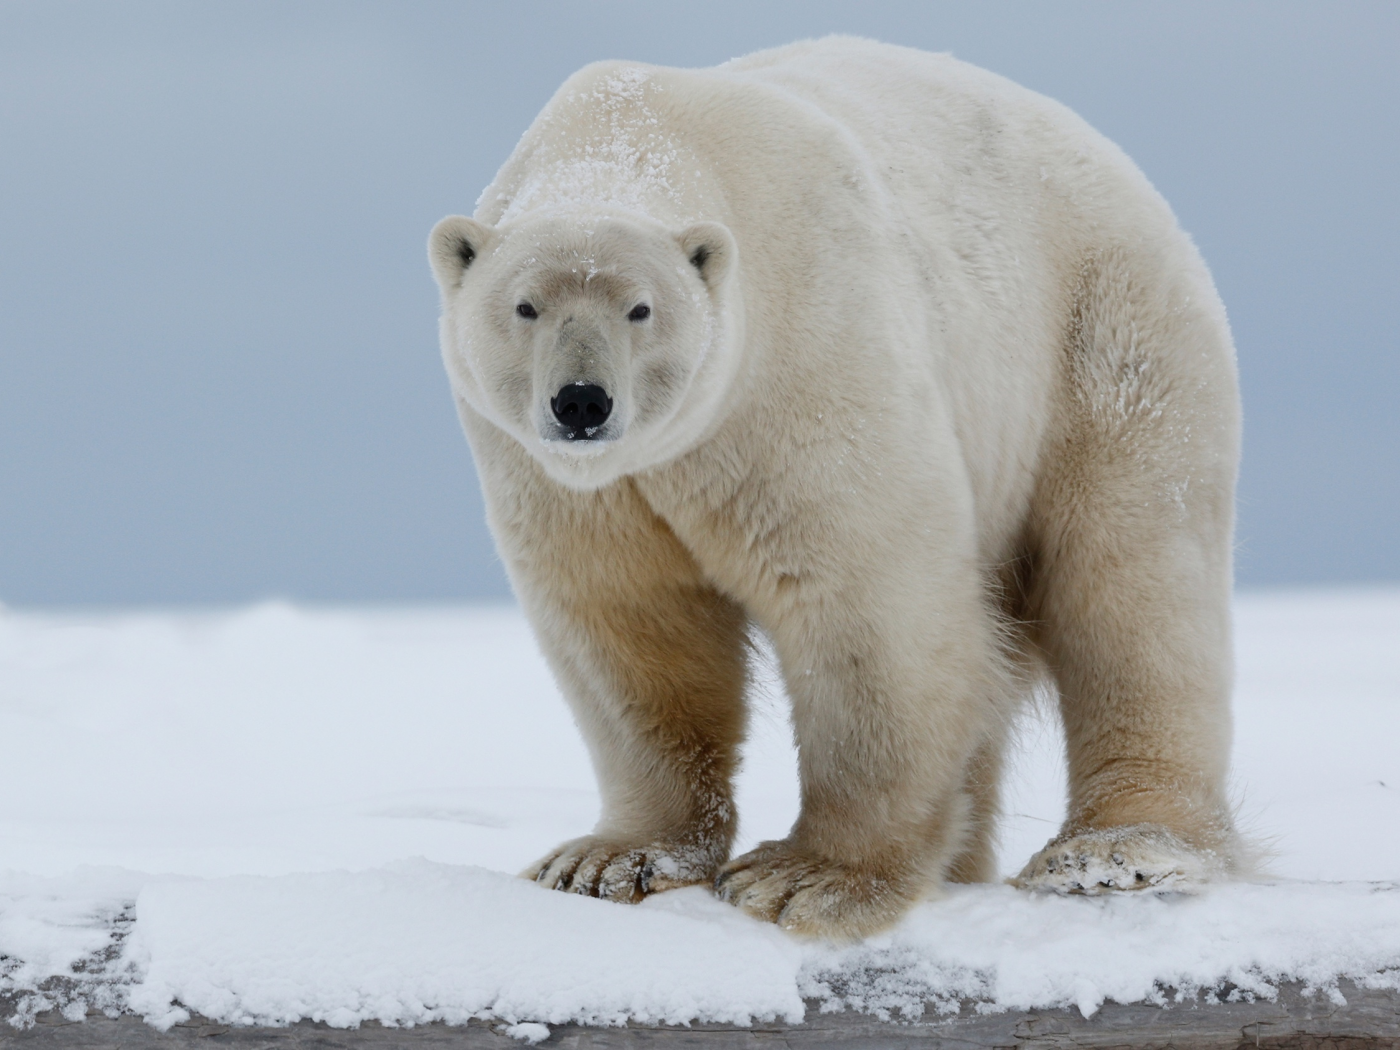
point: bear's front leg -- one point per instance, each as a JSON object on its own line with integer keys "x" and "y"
{"x": 895, "y": 688}
{"x": 654, "y": 666}
{"x": 653, "y": 662}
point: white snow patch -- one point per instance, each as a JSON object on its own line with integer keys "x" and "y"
{"x": 277, "y": 768}
{"x": 1015, "y": 950}
{"x": 420, "y": 942}
{"x": 528, "y": 1031}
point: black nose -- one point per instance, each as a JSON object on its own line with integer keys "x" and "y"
{"x": 582, "y": 408}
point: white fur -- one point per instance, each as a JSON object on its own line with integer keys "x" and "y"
{"x": 946, "y": 402}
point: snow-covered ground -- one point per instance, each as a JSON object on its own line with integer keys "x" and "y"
{"x": 283, "y": 812}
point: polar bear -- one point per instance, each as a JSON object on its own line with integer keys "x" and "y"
{"x": 905, "y": 367}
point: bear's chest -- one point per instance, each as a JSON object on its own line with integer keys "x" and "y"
{"x": 744, "y": 529}
{"x": 765, "y": 528}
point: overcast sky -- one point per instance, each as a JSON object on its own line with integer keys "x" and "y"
{"x": 219, "y": 378}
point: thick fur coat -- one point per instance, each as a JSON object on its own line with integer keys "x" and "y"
{"x": 912, "y": 370}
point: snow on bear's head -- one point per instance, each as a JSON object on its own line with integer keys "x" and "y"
{"x": 605, "y": 344}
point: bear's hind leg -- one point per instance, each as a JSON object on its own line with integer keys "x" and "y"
{"x": 1132, "y": 581}
{"x": 977, "y": 859}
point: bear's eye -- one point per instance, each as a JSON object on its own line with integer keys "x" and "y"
{"x": 640, "y": 312}
{"x": 526, "y": 310}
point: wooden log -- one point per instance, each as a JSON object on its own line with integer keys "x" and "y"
{"x": 1370, "y": 1020}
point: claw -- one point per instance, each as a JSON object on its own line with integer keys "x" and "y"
{"x": 610, "y": 870}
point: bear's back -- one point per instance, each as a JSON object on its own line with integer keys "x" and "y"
{"x": 936, "y": 141}
{"x": 941, "y": 130}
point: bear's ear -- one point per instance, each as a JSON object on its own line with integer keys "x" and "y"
{"x": 710, "y": 248}
{"x": 453, "y": 246}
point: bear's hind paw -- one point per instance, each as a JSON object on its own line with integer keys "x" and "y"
{"x": 1113, "y": 860}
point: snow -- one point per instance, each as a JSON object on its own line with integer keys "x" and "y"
{"x": 421, "y": 942}
{"x": 279, "y": 812}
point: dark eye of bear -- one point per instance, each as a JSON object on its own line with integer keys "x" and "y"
{"x": 526, "y": 310}
{"x": 640, "y": 312}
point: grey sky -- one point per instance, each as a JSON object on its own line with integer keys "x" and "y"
{"x": 218, "y": 364}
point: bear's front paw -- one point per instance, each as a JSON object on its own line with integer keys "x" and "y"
{"x": 1107, "y": 860}
{"x": 780, "y": 882}
{"x": 622, "y": 871}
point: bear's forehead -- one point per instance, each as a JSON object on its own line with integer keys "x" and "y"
{"x": 560, "y": 281}
{"x": 582, "y": 260}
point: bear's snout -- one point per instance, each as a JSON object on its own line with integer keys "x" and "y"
{"x": 581, "y": 408}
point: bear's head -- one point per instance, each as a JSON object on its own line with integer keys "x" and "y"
{"x": 603, "y": 344}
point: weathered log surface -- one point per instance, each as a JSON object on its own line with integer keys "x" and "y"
{"x": 1369, "y": 1020}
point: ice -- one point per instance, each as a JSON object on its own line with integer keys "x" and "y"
{"x": 280, "y": 812}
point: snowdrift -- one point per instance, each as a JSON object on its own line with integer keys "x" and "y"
{"x": 281, "y": 813}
